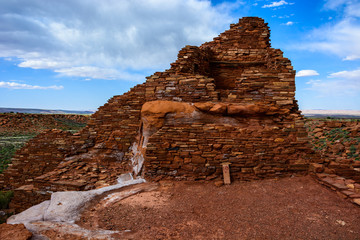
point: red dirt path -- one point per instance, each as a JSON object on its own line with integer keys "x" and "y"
{"x": 289, "y": 208}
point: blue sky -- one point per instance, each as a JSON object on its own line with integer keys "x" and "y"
{"x": 76, "y": 54}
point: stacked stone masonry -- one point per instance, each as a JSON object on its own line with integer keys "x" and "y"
{"x": 229, "y": 100}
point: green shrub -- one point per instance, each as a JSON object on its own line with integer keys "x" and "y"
{"x": 9, "y": 143}
{"x": 5, "y": 198}
{"x": 7, "y": 151}
{"x": 69, "y": 124}
{"x": 352, "y": 152}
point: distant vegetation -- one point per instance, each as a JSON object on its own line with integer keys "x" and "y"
{"x": 332, "y": 114}
{"x": 335, "y": 138}
{"x": 17, "y": 129}
{"x": 9, "y": 143}
{"x": 42, "y": 111}
{"x": 70, "y": 124}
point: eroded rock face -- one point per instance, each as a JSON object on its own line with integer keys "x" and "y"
{"x": 14, "y": 232}
{"x": 153, "y": 113}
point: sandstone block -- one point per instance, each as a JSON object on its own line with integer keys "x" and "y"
{"x": 198, "y": 160}
{"x": 356, "y": 201}
{"x": 218, "y": 108}
{"x": 285, "y": 102}
{"x": 315, "y": 167}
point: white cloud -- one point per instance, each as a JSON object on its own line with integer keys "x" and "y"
{"x": 337, "y": 37}
{"x": 351, "y": 57}
{"x": 338, "y": 87}
{"x": 90, "y": 72}
{"x": 334, "y": 4}
{"x": 353, "y": 9}
{"x": 307, "y": 73}
{"x": 340, "y": 39}
{"x": 289, "y": 23}
{"x": 106, "y": 39}
{"x": 43, "y": 63}
{"x": 341, "y": 83}
{"x": 355, "y": 75}
{"x": 13, "y": 85}
{"x": 277, "y": 4}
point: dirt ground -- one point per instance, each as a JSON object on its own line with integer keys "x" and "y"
{"x": 289, "y": 208}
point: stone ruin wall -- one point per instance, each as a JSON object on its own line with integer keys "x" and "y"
{"x": 229, "y": 100}
{"x": 253, "y": 121}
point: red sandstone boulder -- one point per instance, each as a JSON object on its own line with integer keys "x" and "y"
{"x": 204, "y": 106}
{"x": 237, "y": 109}
{"x": 254, "y": 109}
{"x": 153, "y": 113}
{"x": 219, "y": 108}
{"x": 318, "y": 134}
{"x": 161, "y": 108}
{"x": 316, "y": 130}
{"x": 334, "y": 124}
{"x": 338, "y": 147}
{"x": 316, "y": 167}
{"x": 14, "y": 232}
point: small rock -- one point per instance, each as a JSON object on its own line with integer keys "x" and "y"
{"x": 165, "y": 183}
{"x": 315, "y": 167}
{"x": 356, "y": 201}
{"x": 317, "y": 135}
{"x": 217, "y": 146}
{"x": 219, "y": 183}
{"x": 340, "y": 222}
{"x": 316, "y": 130}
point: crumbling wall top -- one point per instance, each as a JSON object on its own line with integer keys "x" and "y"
{"x": 248, "y": 33}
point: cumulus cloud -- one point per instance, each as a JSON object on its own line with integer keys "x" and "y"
{"x": 334, "y": 4}
{"x": 307, "y": 73}
{"x": 338, "y": 87}
{"x": 90, "y": 72}
{"x": 13, "y": 85}
{"x": 289, "y": 23}
{"x": 351, "y": 75}
{"x": 277, "y": 4}
{"x": 338, "y": 37}
{"x": 351, "y": 57}
{"x": 337, "y": 84}
{"x": 106, "y": 39}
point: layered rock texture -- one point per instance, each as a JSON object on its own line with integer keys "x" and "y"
{"x": 229, "y": 100}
